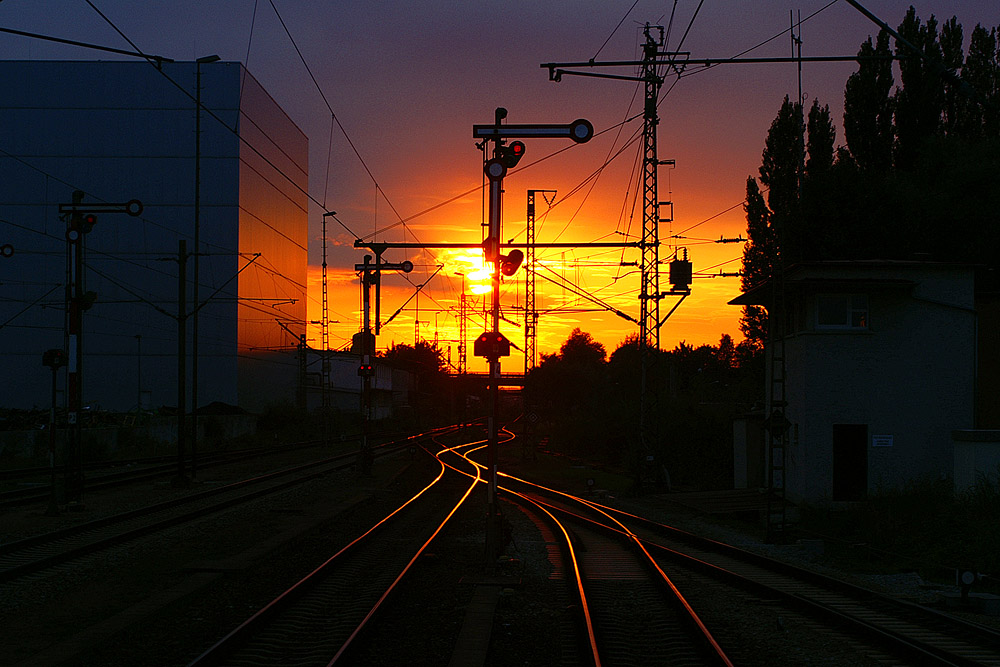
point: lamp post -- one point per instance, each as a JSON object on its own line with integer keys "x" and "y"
{"x": 197, "y": 252}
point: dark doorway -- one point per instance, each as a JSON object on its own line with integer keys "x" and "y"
{"x": 850, "y": 461}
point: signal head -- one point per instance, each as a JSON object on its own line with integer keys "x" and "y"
{"x": 510, "y": 263}
{"x": 512, "y": 154}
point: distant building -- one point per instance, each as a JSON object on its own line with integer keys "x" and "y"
{"x": 883, "y": 366}
{"x": 390, "y": 386}
{"x": 119, "y": 131}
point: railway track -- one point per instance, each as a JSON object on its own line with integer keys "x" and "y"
{"x": 630, "y": 612}
{"x": 318, "y": 621}
{"x": 36, "y": 554}
{"x": 913, "y": 633}
{"x": 34, "y": 485}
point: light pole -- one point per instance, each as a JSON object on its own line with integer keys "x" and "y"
{"x": 197, "y": 251}
{"x": 138, "y": 375}
{"x": 461, "y": 328}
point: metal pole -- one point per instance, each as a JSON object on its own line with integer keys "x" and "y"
{"x": 493, "y": 254}
{"x": 195, "y": 278}
{"x": 366, "y": 380}
{"x": 181, "y": 480}
{"x": 53, "y": 508}
{"x": 75, "y": 464}
{"x": 197, "y": 252}
{"x": 138, "y": 374}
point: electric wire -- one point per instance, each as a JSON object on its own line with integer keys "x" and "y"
{"x": 616, "y": 29}
{"x": 215, "y": 116}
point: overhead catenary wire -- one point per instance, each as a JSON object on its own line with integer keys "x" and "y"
{"x": 243, "y": 140}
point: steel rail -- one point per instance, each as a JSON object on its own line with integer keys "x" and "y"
{"x": 157, "y": 467}
{"x": 581, "y": 593}
{"x": 23, "y": 557}
{"x": 718, "y": 655}
{"x": 253, "y": 626}
{"x": 913, "y": 647}
{"x": 364, "y": 623}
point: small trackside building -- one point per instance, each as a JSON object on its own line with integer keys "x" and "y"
{"x": 880, "y": 371}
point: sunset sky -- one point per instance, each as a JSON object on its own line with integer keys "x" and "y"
{"x": 407, "y": 80}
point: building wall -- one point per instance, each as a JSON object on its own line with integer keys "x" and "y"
{"x": 124, "y": 130}
{"x": 909, "y": 375}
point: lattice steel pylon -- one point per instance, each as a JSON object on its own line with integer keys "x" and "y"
{"x": 649, "y": 289}
{"x": 649, "y": 292}
{"x": 530, "y": 312}
{"x": 325, "y": 327}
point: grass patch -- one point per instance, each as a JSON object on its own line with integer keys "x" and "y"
{"x": 923, "y": 526}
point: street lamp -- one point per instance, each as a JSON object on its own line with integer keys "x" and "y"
{"x": 197, "y": 252}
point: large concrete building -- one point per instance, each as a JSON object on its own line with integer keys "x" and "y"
{"x": 118, "y": 131}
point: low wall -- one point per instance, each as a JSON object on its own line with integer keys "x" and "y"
{"x": 977, "y": 455}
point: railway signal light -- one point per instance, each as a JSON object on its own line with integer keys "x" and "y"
{"x": 512, "y": 154}
{"x": 55, "y": 358}
{"x": 492, "y": 345}
{"x": 510, "y": 263}
{"x": 80, "y": 223}
{"x": 366, "y": 370}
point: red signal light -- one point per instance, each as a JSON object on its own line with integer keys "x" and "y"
{"x": 510, "y": 155}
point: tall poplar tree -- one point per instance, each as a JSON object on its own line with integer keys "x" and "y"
{"x": 819, "y": 146}
{"x": 868, "y": 108}
{"x": 982, "y": 72}
{"x": 919, "y": 101}
{"x": 758, "y": 254}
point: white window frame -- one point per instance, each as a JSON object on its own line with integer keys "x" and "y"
{"x": 855, "y": 309}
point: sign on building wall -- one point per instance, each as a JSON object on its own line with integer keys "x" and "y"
{"x": 881, "y": 441}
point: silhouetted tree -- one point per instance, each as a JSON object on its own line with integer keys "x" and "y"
{"x": 919, "y": 101}
{"x": 758, "y": 255}
{"x": 780, "y": 165}
{"x": 868, "y": 108}
{"x": 981, "y": 71}
{"x": 430, "y": 397}
{"x": 822, "y": 136}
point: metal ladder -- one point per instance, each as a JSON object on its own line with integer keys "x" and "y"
{"x": 776, "y": 422}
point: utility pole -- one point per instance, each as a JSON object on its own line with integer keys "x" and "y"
{"x": 197, "y": 253}
{"x": 81, "y": 219}
{"x": 530, "y": 312}
{"x": 181, "y": 480}
{"x": 492, "y": 344}
{"x": 649, "y": 287}
{"x": 364, "y": 343}
{"x": 461, "y": 329}
{"x": 325, "y": 344}
{"x": 54, "y": 359}
{"x": 530, "y": 268}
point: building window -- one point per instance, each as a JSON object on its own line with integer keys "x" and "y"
{"x": 842, "y": 311}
